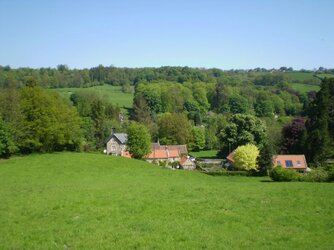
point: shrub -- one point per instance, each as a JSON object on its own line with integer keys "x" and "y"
{"x": 245, "y": 157}
{"x": 283, "y": 174}
{"x": 163, "y": 163}
{"x": 316, "y": 175}
{"x": 330, "y": 171}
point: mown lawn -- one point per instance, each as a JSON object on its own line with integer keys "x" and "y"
{"x": 113, "y": 93}
{"x": 90, "y": 201}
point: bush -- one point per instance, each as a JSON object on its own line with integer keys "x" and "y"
{"x": 330, "y": 171}
{"x": 283, "y": 174}
{"x": 163, "y": 163}
{"x": 245, "y": 157}
{"x": 316, "y": 175}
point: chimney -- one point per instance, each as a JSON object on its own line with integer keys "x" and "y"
{"x": 113, "y": 130}
{"x": 167, "y": 151}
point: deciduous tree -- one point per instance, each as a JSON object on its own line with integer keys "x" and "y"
{"x": 7, "y": 146}
{"x": 174, "y": 129}
{"x": 242, "y": 129}
{"x": 245, "y": 157}
{"x": 139, "y": 140}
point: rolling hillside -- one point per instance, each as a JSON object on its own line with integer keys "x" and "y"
{"x": 113, "y": 93}
{"x": 91, "y": 201}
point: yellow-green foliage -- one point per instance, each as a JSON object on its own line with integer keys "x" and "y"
{"x": 245, "y": 157}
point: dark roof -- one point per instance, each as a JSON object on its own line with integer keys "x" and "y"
{"x": 121, "y": 137}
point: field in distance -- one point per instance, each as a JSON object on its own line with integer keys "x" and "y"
{"x": 93, "y": 201}
{"x": 113, "y": 93}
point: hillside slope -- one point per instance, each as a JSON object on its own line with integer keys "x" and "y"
{"x": 90, "y": 201}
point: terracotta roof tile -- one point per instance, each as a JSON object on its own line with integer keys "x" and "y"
{"x": 126, "y": 154}
{"x": 163, "y": 154}
{"x": 290, "y": 161}
{"x": 230, "y": 156}
{"x": 183, "y": 160}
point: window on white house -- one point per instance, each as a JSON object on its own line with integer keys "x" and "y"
{"x": 113, "y": 148}
{"x": 299, "y": 163}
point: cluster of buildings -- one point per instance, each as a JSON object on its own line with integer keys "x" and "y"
{"x": 116, "y": 145}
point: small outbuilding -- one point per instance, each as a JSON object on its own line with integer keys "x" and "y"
{"x": 187, "y": 164}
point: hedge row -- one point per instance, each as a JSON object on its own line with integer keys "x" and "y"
{"x": 322, "y": 174}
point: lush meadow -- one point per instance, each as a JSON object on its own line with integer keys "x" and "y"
{"x": 304, "y": 88}
{"x": 205, "y": 154}
{"x": 113, "y": 93}
{"x": 90, "y": 201}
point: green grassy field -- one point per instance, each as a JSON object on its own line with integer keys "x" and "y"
{"x": 301, "y": 76}
{"x": 304, "y": 88}
{"x": 90, "y": 201}
{"x": 205, "y": 154}
{"x": 113, "y": 93}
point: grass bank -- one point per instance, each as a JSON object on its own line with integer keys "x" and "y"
{"x": 91, "y": 201}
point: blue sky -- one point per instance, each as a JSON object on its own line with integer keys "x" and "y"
{"x": 221, "y": 34}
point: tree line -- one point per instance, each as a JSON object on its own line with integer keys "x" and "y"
{"x": 62, "y": 76}
{"x": 203, "y": 108}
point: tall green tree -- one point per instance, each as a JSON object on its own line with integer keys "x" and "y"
{"x": 238, "y": 104}
{"x": 48, "y": 123}
{"x": 139, "y": 140}
{"x": 199, "y": 138}
{"x": 320, "y": 125}
{"x": 265, "y": 158}
{"x": 141, "y": 111}
{"x": 7, "y": 146}
{"x": 174, "y": 129}
{"x": 98, "y": 116}
{"x": 242, "y": 129}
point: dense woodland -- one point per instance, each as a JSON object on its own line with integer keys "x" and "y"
{"x": 203, "y": 108}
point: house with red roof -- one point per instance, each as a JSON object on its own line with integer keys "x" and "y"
{"x": 296, "y": 162}
{"x": 163, "y": 155}
{"x": 170, "y": 153}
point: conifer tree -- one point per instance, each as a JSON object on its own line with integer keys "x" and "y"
{"x": 320, "y": 125}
